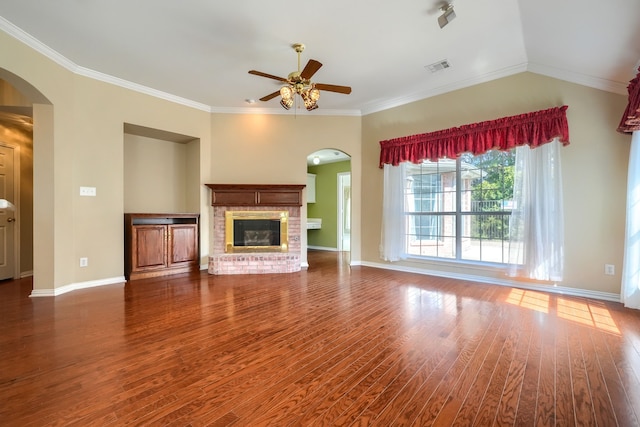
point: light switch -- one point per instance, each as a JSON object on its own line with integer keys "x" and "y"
{"x": 88, "y": 191}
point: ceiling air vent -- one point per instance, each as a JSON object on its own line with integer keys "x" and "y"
{"x": 438, "y": 66}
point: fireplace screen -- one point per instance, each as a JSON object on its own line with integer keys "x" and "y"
{"x": 256, "y": 231}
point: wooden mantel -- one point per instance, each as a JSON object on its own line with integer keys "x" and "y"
{"x": 256, "y": 194}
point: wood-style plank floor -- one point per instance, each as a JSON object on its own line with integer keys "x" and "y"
{"x": 331, "y": 346}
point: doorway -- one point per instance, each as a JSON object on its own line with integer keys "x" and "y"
{"x": 329, "y": 210}
{"x": 20, "y": 104}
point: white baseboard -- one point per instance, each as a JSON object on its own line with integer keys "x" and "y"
{"x": 75, "y": 286}
{"x": 322, "y": 248}
{"x": 605, "y": 296}
{"x": 25, "y": 274}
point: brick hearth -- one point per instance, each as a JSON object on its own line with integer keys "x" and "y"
{"x": 221, "y": 263}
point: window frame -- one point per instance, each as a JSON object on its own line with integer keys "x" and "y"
{"x": 461, "y": 218}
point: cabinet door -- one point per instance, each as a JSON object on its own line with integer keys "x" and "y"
{"x": 149, "y": 247}
{"x": 183, "y": 244}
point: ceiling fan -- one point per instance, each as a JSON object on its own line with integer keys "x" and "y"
{"x": 300, "y": 82}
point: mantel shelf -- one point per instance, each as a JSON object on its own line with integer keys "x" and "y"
{"x": 256, "y": 194}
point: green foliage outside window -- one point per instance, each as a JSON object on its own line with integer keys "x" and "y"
{"x": 492, "y": 192}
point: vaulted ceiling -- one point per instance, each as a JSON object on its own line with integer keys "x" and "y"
{"x": 199, "y": 52}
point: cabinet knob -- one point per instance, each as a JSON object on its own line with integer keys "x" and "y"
{"x": 11, "y": 219}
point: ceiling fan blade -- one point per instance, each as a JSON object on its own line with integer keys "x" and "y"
{"x": 333, "y": 88}
{"x": 270, "y": 96}
{"x": 269, "y": 76}
{"x": 310, "y": 69}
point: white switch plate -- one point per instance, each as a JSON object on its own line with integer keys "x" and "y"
{"x": 84, "y": 261}
{"x": 88, "y": 191}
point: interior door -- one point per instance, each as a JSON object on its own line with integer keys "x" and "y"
{"x": 7, "y": 215}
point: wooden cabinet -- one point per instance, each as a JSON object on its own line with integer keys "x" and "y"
{"x": 160, "y": 244}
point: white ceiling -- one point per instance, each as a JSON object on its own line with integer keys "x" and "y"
{"x": 199, "y": 52}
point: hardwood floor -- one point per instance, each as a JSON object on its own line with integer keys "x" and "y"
{"x": 331, "y": 346}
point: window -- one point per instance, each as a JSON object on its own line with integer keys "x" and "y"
{"x": 418, "y": 221}
{"x": 460, "y": 209}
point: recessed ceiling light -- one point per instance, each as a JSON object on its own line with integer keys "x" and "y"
{"x": 250, "y": 101}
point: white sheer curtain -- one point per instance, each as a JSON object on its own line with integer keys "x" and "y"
{"x": 392, "y": 240}
{"x": 536, "y": 231}
{"x": 631, "y": 263}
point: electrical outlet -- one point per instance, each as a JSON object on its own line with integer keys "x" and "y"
{"x": 84, "y": 261}
{"x": 609, "y": 269}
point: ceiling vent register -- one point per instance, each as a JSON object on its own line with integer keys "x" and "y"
{"x": 438, "y": 66}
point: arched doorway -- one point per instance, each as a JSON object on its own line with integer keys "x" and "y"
{"x": 329, "y": 214}
{"x": 27, "y": 116}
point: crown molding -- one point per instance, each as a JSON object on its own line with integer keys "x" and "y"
{"x": 561, "y": 74}
{"x": 96, "y": 75}
{"x": 283, "y": 112}
{"x": 419, "y": 96}
{"x": 36, "y": 45}
{"x": 64, "y": 62}
{"x": 578, "y": 78}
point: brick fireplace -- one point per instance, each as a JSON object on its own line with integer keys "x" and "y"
{"x": 246, "y": 199}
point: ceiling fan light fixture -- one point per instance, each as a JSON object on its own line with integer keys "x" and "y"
{"x": 299, "y": 82}
{"x": 286, "y": 92}
{"x": 308, "y": 98}
{"x": 447, "y": 16}
{"x": 316, "y": 160}
{"x": 286, "y": 103}
{"x": 314, "y": 94}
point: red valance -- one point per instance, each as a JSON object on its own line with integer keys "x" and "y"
{"x": 534, "y": 128}
{"x": 631, "y": 118}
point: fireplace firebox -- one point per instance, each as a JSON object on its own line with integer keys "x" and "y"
{"x": 256, "y": 231}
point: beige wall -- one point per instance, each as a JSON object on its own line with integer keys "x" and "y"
{"x": 26, "y": 206}
{"x": 79, "y": 141}
{"x": 594, "y": 166}
{"x": 273, "y": 149}
{"x": 100, "y": 112}
{"x": 10, "y": 96}
{"x": 155, "y": 175}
